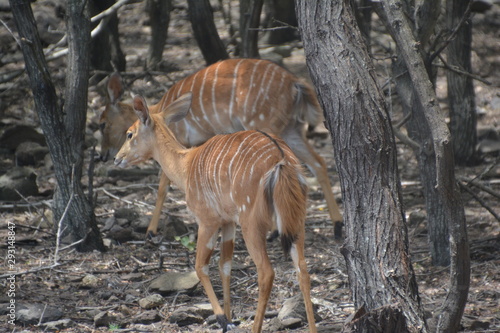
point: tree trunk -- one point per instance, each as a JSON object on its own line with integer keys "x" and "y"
{"x": 418, "y": 127}
{"x": 249, "y": 23}
{"x": 106, "y": 53}
{"x": 376, "y": 247}
{"x": 205, "y": 32}
{"x": 80, "y": 219}
{"x": 446, "y": 192}
{"x": 282, "y": 11}
{"x": 159, "y": 17}
{"x": 461, "y": 95}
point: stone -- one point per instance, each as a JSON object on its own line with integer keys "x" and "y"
{"x": 89, "y": 281}
{"x": 31, "y": 314}
{"x": 18, "y": 179}
{"x": 30, "y": 153}
{"x": 151, "y": 301}
{"x": 172, "y": 282}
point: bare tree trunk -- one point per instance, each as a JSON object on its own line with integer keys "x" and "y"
{"x": 68, "y": 159}
{"x": 106, "y": 53}
{"x": 205, "y": 32}
{"x": 282, "y": 12}
{"x": 463, "y": 120}
{"x": 159, "y": 16}
{"x": 446, "y": 188}
{"x": 380, "y": 273}
{"x": 418, "y": 127}
{"x": 249, "y": 23}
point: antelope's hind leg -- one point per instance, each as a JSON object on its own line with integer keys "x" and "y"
{"x": 255, "y": 240}
{"x": 207, "y": 238}
{"x": 225, "y": 265}
{"x": 297, "y": 254}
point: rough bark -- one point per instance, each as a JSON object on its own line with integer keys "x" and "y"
{"x": 249, "y": 23}
{"x": 205, "y": 32}
{"x": 417, "y": 125}
{"x": 376, "y": 245}
{"x": 461, "y": 97}
{"x": 80, "y": 220}
{"x": 446, "y": 189}
{"x": 159, "y": 17}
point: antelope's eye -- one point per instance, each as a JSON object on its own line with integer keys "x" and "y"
{"x": 129, "y": 135}
{"x": 102, "y": 125}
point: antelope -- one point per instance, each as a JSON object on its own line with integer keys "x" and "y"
{"x": 248, "y": 178}
{"x": 229, "y": 96}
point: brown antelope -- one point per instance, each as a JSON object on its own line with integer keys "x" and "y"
{"x": 247, "y": 178}
{"x": 230, "y": 96}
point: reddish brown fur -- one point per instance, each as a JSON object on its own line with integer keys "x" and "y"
{"x": 244, "y": 178}
{"x": 233, "y": 95}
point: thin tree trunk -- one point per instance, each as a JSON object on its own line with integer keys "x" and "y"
{"x": 463, "y": 120}
{"x": 80, "y": 218}
{"x": 205, "y": 32}
{"x": 249, "y": 23}
{"x": 159, "y": 17}
{"x": 445, "y": 185}
{"x": 380, "y": 273}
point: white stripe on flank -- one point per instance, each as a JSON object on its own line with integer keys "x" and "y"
{"x": 236, "y": 154}
{"x": 261, "y": 86}
{"x": 250, "y": 87}
{"x": 233, "y": 88}
{"x": 200, "y": 100}
{"x": 214, "y": 104}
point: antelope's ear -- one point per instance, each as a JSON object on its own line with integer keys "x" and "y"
{"x": 115, "y": 87}
{"x": 141, "y": 110}
{"x": 178, "y": 109}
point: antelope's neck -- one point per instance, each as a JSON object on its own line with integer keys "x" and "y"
{"x": 171, "y": 156}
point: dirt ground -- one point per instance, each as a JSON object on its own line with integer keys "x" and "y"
{"x": 123, "y": 273}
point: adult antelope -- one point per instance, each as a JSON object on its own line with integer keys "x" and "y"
{"x": 247, "y": 178}
{"x": 230, "y": 96}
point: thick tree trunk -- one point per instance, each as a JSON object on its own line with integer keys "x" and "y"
{"x": 447, "y": 193}
{"x": 80, "y": 218}
{"x": 249, "y": 23}
{"x": 205, "y": 32}
{"x": 461, "y": 95}
{"x": 159, "y": 17}
{"x": 376, "y": 246}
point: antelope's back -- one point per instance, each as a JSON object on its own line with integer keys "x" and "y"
{"x": 234, "y": 95}
{"x": 229, "y": 170}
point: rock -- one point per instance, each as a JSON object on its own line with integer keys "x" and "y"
{"x": 121, "y": 235}
{"x": 126, "y": 213}
{"x": 14, "y": 135}
{"x": 293, "y": 313}
{"x": 172, "y": 282}
{"x": 30, "y": 153}
{"x": 175, "y": 227}
{"x": 89, "y": 281}
{"x": 151, "y": 301}
{"x": 147, "y": 317}
{"x": 185, "y": 316}
{"x": 18, "y": 179}
{"x": 103, "y": 319}
{"x": 31, "y": 314}
{"x": 58, "y": 325}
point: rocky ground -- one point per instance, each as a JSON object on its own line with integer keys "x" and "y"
{"x": 143, "y": 286}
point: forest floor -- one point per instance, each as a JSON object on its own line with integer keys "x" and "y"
{"x": 121, "y": 276}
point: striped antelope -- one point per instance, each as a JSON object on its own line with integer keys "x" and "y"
{"x": 230, "y": 96}
{"x": 245, "y": 178}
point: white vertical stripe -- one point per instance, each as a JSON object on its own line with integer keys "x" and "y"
{"x": 233, "y": 88}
